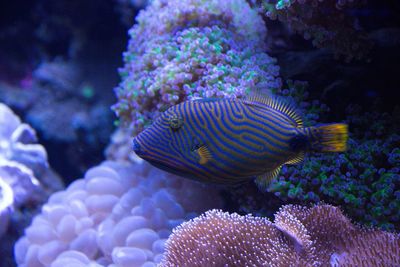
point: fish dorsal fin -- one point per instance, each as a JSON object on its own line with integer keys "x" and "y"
{"x": 277, "y": 104}
{"x": 265, "y": 179}
{"x": 297, "y": 159}
{"x": 204, "y": 154}
{"x": 164, "y": 108}
{"x": 206, "y": 100}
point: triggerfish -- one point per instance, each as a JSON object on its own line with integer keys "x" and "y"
{"x": 229, "y": 141}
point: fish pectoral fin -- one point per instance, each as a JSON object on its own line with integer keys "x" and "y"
{"x": 296, "y": 160}
{"x": 204, "y": 154}
{"x": 265, "y": 179}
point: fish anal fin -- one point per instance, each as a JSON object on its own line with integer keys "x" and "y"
{"x": 265, "y": 179}
{"x": 277, "y": 104}
{"x": 296, "y": 160}
{"x": 204, "y": 154}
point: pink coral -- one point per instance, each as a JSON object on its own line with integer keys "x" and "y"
{"x": 300, "y": 236}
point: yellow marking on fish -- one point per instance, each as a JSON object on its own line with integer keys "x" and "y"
{"x": 205, "y": 154}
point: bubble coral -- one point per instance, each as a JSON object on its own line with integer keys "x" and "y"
{"x": 317, "y": 236}
{"x": 120, "y": 214}
{"x": 185, "y": 49}
{"x": 327, "y": 23}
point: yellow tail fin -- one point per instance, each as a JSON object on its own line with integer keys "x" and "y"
{"x": 333, "y": 137}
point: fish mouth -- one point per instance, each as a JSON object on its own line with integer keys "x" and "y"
{"x": 141, "y": 150}
{"x": 170, "y": 165}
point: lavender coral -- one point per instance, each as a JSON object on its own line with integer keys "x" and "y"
{"x": 25, "y": 177}
{"x": 120, "y": 214}
{"x": 327, "y": 23}
{"x": 185, "y": 49}
{"x": 17, "y": 142}
{"x": 6, "y": 204}
{"x": 317, "y": 236}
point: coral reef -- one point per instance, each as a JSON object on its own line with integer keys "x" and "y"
{"x": 186, "y": 49}
{"x": 364, "y": 181}
{"x": 26, "y": 179}
{"x": 317, "y": 236}
{"x": 357, "y": 180}
{"x": 120, "y": 147}
{"x": 327, "y": 23}
{"x": 18, "y": 142}
{"x": 19, "y": 187}
{"x": 6, "y": 203}
{"x": 120, "y": 213}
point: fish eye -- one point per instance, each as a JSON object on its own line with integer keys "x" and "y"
{"x": 175, "y": 122}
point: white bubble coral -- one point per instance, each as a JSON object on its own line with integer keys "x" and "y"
{"x": 120, "y": 214}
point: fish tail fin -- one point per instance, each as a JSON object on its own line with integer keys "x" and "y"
{"x": 331, "y": 137}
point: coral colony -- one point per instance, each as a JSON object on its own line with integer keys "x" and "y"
{"x": 372, "y": 157}
{"x": 25, "y": 175}
{"x": 126, "y": 213}
{"x": 187, "y": 49}
{"x": 318, "y": 236}
{"x": 119, "y": 213}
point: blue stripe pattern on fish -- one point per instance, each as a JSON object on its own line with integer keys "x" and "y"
{"x": 229, "y": 141}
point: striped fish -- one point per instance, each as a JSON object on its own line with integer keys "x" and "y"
{"x": 229, "y": 141}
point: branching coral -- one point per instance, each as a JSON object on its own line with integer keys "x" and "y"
{"x": 327, "y": 23}
{"x": 185, "y": 49}
{"x": 120, "y": 214}
{"x": 316, "y": 236}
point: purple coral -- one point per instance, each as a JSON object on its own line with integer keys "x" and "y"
{"x": 119, "y": 214}
{"x": 316, "y": 236}
{"x": 17, "y": 142}
{"x": 25, "y": 177}
{"x": 6, "y": 204}
{"x": 186, "y": 49}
